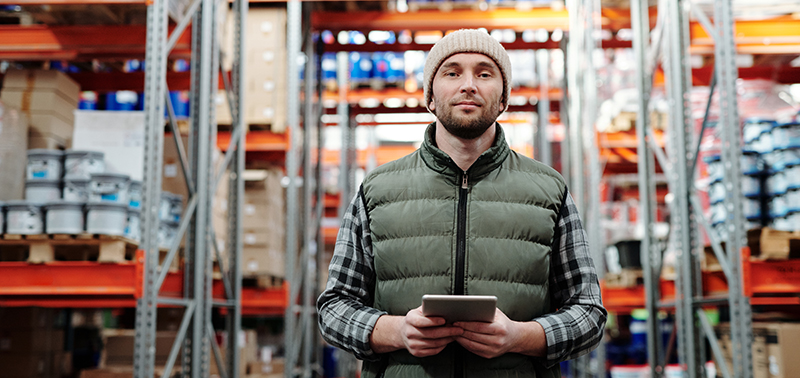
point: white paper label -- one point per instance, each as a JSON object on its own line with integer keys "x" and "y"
{"x": 249, "y": 209}
{"x": 170, "y": 170}
{"x": 252, "y": 265}
{"x": 249, "y": 239}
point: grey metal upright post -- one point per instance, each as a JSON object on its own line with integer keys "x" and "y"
{"x": 343, "y": 111}
{"x": 729, "y": 126}
{"x": 293, "y": 42}
{"x": 690, "y": 348}
{"x": 574, "y": 85}
{"x": 204, "y": 90}
{"x": 155, "y": 90}
{"x": 312, "y": 223}
{"x": 592, "y": 212}
{"x": 640, "y": 21}
{"x": 544, "y": 154}
{"x": 236, "y": 186}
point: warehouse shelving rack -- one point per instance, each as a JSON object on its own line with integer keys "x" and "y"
{"x": 741, "y": 281}
{"x": 196, "y": 335}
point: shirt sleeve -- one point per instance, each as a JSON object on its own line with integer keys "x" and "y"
{"x": 577, "y": 325}
{"x": 346, "y": 318}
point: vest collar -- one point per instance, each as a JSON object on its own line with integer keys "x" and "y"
{"x": 439, "y": 161}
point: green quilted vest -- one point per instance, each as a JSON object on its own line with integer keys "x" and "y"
{"x": 439, "y": 230}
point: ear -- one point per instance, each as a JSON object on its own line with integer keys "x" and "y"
{"x": 432, "y": 105}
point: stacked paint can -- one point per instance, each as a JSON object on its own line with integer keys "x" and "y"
{"x": 751, "y": 184}
{"x": 778, "y": 146}
{"x": 70, "y": 192}
{"x": 169, "y": 217}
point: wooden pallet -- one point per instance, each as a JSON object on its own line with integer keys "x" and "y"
{"x": 769, "y": 244}
{"x": 625, "y": 279}
{"x": 262, "y": 281}
{"x": 62, "y": 247}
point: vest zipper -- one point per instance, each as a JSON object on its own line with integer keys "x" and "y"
{"x": 461, "y": 235}
{"x": 461, "y": 247}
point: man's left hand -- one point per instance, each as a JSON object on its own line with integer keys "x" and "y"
{"x": 501, "y": 336}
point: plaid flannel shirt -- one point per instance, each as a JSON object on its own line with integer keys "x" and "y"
{"x": 346, "y": 319}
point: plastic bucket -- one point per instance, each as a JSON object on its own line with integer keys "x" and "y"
{"x": 751, "y": 162}
{"x": 716, "y": 192}
{"x": 45, "y": 164}
{"x": 64, "y": 217}
{"x": 751, "y": 207}
{"x": 167, "y": 232}
{"x": 133, "y": 225}
{"x": 110, "y": 187}
{"x": 171, "y": 207}
{"x": 792, "y": 200}
{"x": 106, "y": 218}
{"x": 714, "y": 167}
{"x": 792, "y": 176}
{"x": 76, "y": 190}
{"x": 754, "y": 127}
{"x": 788, "y": 222}
{"x": 41, "y": 191}
{"x": 751, "y": 185}
{"x": 784, "y": 157}
{"x": 787, "y": 135}
{"x": 778, "y": 207}
{"x": 23, "y": 217}
{"x": 135, "y": 194}
{"x": 81, "y": 164}
{"x": 777, "y": 183}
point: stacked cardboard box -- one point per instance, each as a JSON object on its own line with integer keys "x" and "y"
{"x": 773, "y": 347}
{"x": 119, "y": 135}
{"x": 263, "y": 225}
{"x": 13, "y": 147}
{"x": 49, "y": 99}
{"x": 30, "y": 344}
{"x": 247, "y": 341}
{"x": 265, "y": 69}
{"x": 118, "y": 346}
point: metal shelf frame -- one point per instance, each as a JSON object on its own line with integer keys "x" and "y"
{"x": 679, "y": 163}
{"x": 304, "y": 196}
{"x": 584, "y": 170}
{"x": 196, "y": 335}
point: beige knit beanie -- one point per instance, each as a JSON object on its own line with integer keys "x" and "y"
{"x": 466, "y": 41}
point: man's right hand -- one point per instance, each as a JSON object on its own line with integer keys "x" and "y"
{"x": 420, "y": 335}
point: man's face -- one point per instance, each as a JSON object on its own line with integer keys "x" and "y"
{"x": 466, "y": 94}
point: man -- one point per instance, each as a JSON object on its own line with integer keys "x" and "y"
{"x": 463, "y": 215}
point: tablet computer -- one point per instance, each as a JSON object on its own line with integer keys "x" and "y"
{"x": 455, "y": 308}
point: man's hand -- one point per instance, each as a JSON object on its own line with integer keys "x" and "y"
{"x": 501, "y": 336}
{"x": 420, "y": 335}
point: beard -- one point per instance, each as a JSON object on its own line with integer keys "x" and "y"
{"x": 466, "y": 126}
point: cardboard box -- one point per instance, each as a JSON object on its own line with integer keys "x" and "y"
{"x": 783, "y": 342}
{"x": 118, "y": 346}
{"x": 768, "y": 244}
{"x": 26, "y": 318}
{"x": 43, "y": 80}
{"x": 19, "y": 365}
{"x": 262, "y": 260}
{"x": 13, "y": 154}
{"x": 120, "y": 135}
{"x": 42, "y": 101}
{"x": 31, "y": 340}
{"x": 51, "y": 126}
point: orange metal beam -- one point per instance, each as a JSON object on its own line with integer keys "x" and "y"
{"x": 779, "y": 35}
{"x": 80, "y": 42}
{"x": 257, "y": 141}
{"x": 436, "y": 20}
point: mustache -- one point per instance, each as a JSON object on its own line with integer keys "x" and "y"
{"x": 472, "y": 99}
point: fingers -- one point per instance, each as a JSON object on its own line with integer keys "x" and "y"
{"x": 478, "y": 348}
